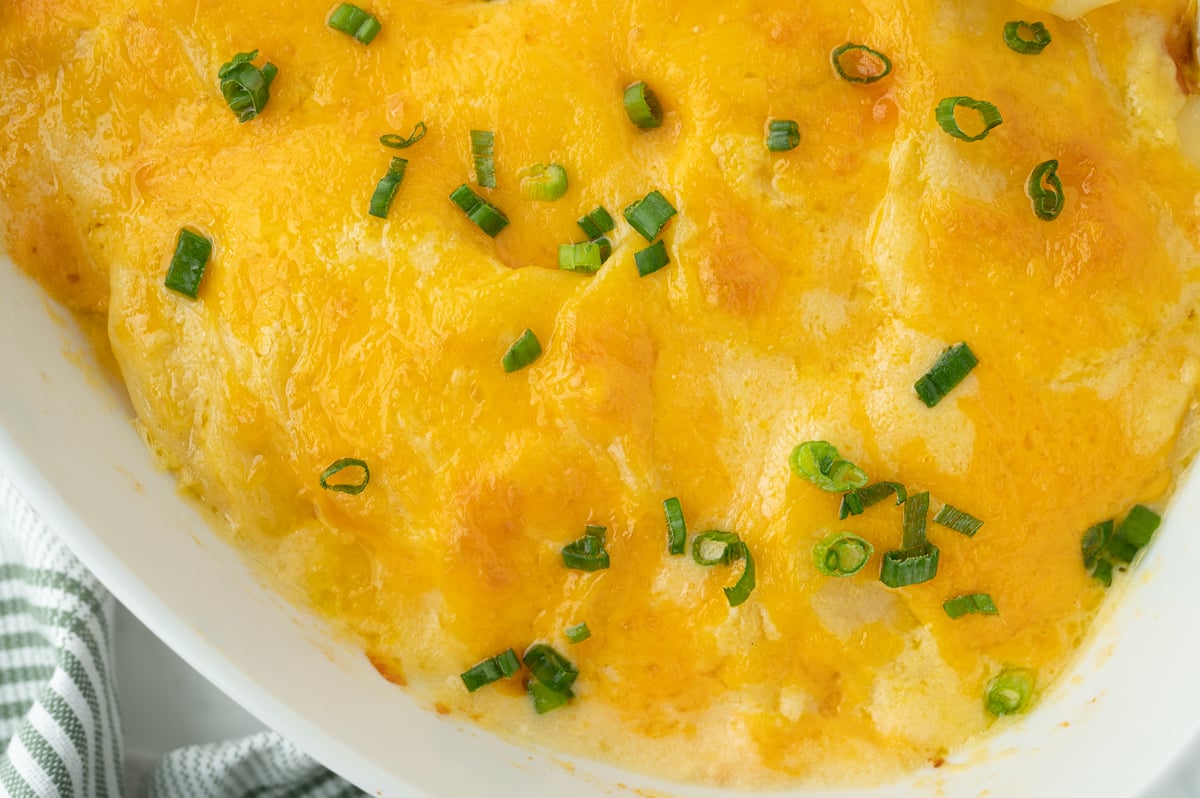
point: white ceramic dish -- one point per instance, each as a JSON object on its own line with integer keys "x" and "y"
{"x": 67, "y": 441}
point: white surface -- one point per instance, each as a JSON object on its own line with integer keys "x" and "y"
{"x": 66, "y": 440}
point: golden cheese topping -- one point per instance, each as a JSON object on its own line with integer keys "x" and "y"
{"x": 807, "y": 291}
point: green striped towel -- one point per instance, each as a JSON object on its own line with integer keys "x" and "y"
{"x": 60, "y": 724}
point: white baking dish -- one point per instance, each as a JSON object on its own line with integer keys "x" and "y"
{"x": 67, "y": 441}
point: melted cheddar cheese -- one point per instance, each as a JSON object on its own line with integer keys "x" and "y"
{"x": 807, "y": 292}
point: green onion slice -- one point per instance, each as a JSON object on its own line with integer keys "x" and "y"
{"x": 859, "y": 499}
{"x": 597, "y": 222}
{"x": 483, "y": 143}
{"x": 605, "y": 247}
{"x": 676, "y": 528}
{"x": 543, "y": 182}
{"x": 649, "y": 215}
{"x": 951, "y": 368}
{"x": 783, "y": 135}
{"x": 1009, "y": 692}
{"x": 355, "y": 22}
{"x": 973, "y": 604}
{"x": 492, "y": 669}
{"x": 820, "y": 464}
{"x": 587, "y": 553}
{"x": 915, "y": 511}
{"x": 337, "y": 467}
{"x": 577, "y": 633}
{"x": 716, "y": 547}
{"x": 487, "y": 216}
{"x": 1095, "y": 540}
{"x": 989, "y": 115}
{"x": 909, "y": 566}
{"x": 1103, "y": 572}
{"x": 1038, "y": 37}
{"x": 1045, "y": 191}
{"x": 745, "y": 584}
{"x": 642, "y": 106}
{"x": 857, "y": 63}
{"x": 651, "y": 259}
{"x": 958, "y": 520}
{"x": 585, "y": 257}
{"x": 550, "y": 668}
{"x": 192, "y": 251}
{"x": 385, "y": 190}
{"x": 546, "y": 699}
{"x": 841, "y": 554}
{"x": 1139, "y": 526}
{"x": 1121, "y": 550}
{"x": 245, "y": 87}
{"x": 523, "y": 351}
{"x": 398, "y": 142}
{"x": 1133, "y": 533}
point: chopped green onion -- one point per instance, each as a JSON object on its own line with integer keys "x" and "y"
{"x": 192, "y": 251}
{"x": 651, "y": 259}
{"x": 1045, "y": 191}
{"x": 587, "y": 553}
{"x": 338, "y": 466}
{"x": 523, "y": 351}
{"x": 1095, "y": 540}
{"x": 783, "y": 135}
{"x": 954, "y": 518}
{"x": 820, "y": 464}
{"x": 492, "y": 669}
{"x": 857, "y": 63}
{"x": 676, "y": 528}
{"x": 487, "y": 216}
{"x": 841, "y": 554}
{"x": 550, "y": 668}
{"x": 1139, "y": 526}
{"x": 577, "y": 633}
{"x": 585, "y": 257}
{"x": 915, "y": 511}
{"x": 546, "y": 699}
{"x": 859, "y": 499}
{"x": 597, "y": 222}
{"x": 1103, "y": 572}
{"x": 1009, "y": 692}
{"x": 909, "y": 566}
{"x": 642, "y": 106}
{"x": 245, "y": 87}
{"x": 605, "y": 247}
{"x": 989, "y": 115}
{"x": 398, "y": 142}
{"x": 649, "y": 215}
{"x": 951, "y": 368}
{"x": 1039, "y": 37}
{"x": 975, "y": 603}
{"x": 1133, "y": 533}
{"x": 716, "y": 547}
{"x": 543, "y": 182}
{"x": 385, "y": 190}
{"x": 744, "y": 586}
{"x": 355, "y": 22}
{"x": 1121, "y": 550}
{"x": 483, "y": 143}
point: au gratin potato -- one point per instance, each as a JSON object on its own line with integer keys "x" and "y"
{"x": 756, "y": 392}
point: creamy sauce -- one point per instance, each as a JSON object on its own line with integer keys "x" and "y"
{"x": 807, "y": 292}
